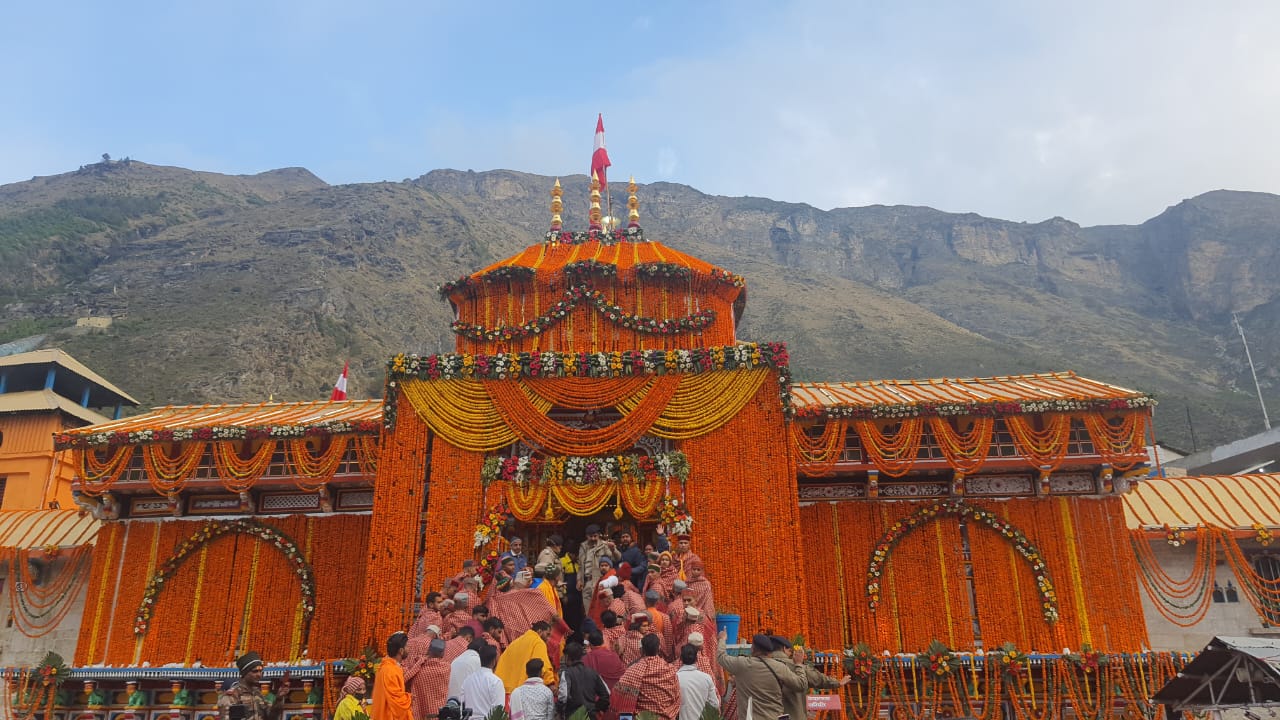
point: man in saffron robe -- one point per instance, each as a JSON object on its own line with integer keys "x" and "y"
{"x": 391, "y": 701}
{"x": 532, "y": 644}
{"x": 428, "y": 680}
{"x": 651, "y": 682}
{"x": 550, "y": 576}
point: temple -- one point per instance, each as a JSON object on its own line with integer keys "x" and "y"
{"x": 968, "y": 541}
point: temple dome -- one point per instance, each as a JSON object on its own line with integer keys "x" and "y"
{"x": 596, "y": 291}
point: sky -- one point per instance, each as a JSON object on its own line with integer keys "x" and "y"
{"x": 1099, "y": 112}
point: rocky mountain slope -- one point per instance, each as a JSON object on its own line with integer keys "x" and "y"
{"x": 239, "y": 288}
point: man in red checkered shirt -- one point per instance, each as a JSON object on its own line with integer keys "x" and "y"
{"x": 428, "y": 681}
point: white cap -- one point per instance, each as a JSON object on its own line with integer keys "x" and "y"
{"x": 696, "y": 639}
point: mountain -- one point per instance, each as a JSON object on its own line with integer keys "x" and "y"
{"x": 236, "y": 288}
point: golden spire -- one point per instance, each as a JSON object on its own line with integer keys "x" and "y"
{"x": 556, "y": 207}
{"x": 633, "y": 205}
{"x": 595, "y": 202}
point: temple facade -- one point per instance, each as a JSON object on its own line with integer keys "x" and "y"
{"x": 975, "y": 539}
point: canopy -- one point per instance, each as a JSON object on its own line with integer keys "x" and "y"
{"x": 1231, "y": 672}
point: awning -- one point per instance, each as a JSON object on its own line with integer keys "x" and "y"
{"x": 1231, "y": 502}
{"x": 1229, "y": 673}
{"x": 42, "y": 528}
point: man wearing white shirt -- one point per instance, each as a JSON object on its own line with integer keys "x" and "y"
{"x": 697, "y": 689}
{"x": 533, "y": 700}
{"x": 464, "y": 666}
{"x": 483, "y": 691}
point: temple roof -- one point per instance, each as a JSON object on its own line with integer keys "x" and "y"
{"x": 624, "y": 258}
{"x": 28, "y": 371}
{"x": 37, "y": 400}
{"x": 232, "y": 422}
{"x": 1224, "y": 501}
{"x": 41, "y": 528}
{"x": 1005, "y": 394}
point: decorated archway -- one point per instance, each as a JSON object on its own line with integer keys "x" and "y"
{"x": 958, "y": 508}
{"x": 207, "y": 534}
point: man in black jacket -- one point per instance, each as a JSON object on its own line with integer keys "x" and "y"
{"x": 580, "y": 686}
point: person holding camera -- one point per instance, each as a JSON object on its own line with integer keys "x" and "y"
{"x": 762, "y": 680}
{"x": 244, "y": 701}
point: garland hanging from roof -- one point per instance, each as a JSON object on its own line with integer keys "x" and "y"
{"x": 558, "y": 470}
{"x": 618, "y": 364}
{"x": 887, "y": 411}
{"x": 575, "y": 295}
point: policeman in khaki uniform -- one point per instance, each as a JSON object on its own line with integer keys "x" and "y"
{"x": 247, "y": 695}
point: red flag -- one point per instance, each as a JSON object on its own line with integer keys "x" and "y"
{"x": 600, "y": 156}
{"x": 340, "y": 387}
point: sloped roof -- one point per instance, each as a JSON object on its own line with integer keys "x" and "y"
{"x": 282, "y": 419}
{"x": 1023, "y": 391}
{"x": 55, "y": 356}
{"x": 41, "y": 528}
{"x": 38, "y": 400}
{"x": 1225, "y": 501}
{"x": 1229, "y": 672}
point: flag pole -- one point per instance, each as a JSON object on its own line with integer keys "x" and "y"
{"x": 608, "y": 198}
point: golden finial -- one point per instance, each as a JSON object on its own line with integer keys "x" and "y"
{"x": 595, "y": 202}
{"x": 633, "y": 205}
{"x": 556, "y": 207}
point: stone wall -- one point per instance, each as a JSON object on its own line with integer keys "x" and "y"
{"x": 1222, "y": 618}
{"x": 17, "y": 649}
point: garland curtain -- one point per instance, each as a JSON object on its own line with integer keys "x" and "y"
{"x": 485, "y": 415}
{"x": 1117, "y": 437}
{"x": 237, "y": 464}
{"x": 1075, "y": 537}
{"x": 235, "y": 593}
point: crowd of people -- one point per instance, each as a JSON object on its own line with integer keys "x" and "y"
{"x": 615, "y": 629}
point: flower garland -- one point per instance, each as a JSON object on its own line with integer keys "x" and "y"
{"x": 1024, "y": 547}
{"x": 978, "y": 409}
{"x": 860, "y": 662}
{"x": 38, "y": 609}
{"x": 1175, "y": 536}
{"x": 210, "y": 532}
{"x": 1262, "y": 535}
{"x": 1011, "y": 660}
{"x": 1088, "y": 659}
{"x": 583, "y": 268}
{"x": 324, "y": 428}
{"x": 575, "y": 295}
{"x": 505, "y": 273}
{"x": 941, "y": 661}
{"x": 670, "y": 271}
{"x": 604, "y": 237}
{"x": 365, "y": 666}
{"x": 495, "y": 522}
{"x": 631, "y": 363}
{"x": 675, "y": 516}
{"x": 526, "y": 469}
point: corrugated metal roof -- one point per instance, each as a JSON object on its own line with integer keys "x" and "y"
{"x": 300, "y": 415}
{"x": 1045, "y": 387}
{"x": 38, "y": 400}
{"x": 1229, "y": 672}
{"x": 1225, "y": 501}
{"x": 41, "y": 528}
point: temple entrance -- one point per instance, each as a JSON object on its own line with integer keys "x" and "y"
{"x": 572, "y": 531}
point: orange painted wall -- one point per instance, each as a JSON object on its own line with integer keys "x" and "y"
{"x": 27, "y": 461}
{"x": 925, "y": 595}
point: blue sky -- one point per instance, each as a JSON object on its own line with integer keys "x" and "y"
{"x": 1101, "y": 112}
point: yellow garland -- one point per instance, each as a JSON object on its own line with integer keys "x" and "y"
{"x": 100, "y": 605}
{"x": 582, "y": 500}
{"x": 195, "y": 603}
{"x": 317, "y": 470}
{"x": 246, "y": 617}
{"x": 462, "y": 411}
{"x": 704, "y": 402}
{"x": 239, "y": 474}
{"x": 893, "y": 457}
{"x": 1073, "y": 562}
{"x": 97, "y": 476}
